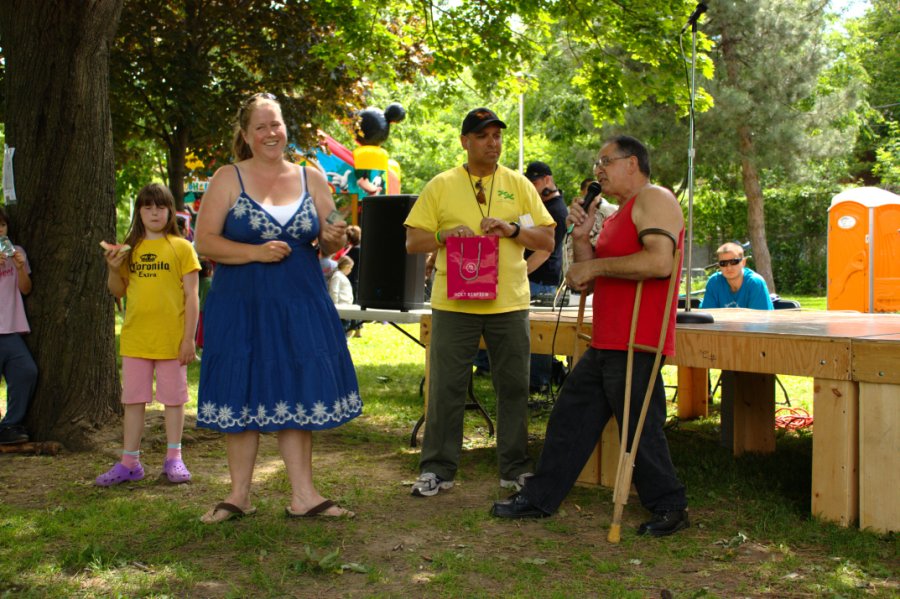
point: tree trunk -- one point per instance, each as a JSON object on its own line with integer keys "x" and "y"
{"x": 175, "y": 167}
{"x": 756, "y": 218}
{"x": 58, "y": 120}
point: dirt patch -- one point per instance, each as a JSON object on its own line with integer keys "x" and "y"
{"x": 446, "y": 545}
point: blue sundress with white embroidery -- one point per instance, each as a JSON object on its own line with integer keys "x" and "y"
{"x": 275, "y": 354}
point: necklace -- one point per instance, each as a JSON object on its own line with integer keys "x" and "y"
{"x": 478, "y": 191}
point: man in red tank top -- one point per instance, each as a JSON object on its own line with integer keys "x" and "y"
{"x": 636, "y": 244}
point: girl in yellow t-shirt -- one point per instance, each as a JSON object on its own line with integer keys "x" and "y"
{"x": 156, "y": 270}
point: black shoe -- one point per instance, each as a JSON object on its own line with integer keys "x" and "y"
{"x": 10, "y": 435}
{"x": 517, "y": 506}
{"x": 479, "y": 371}
{"x": 665, "y": 523}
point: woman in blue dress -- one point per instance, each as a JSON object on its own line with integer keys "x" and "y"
{"x": 275, "y": 356}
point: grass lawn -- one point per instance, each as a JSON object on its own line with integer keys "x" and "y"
{"x": 752, "y": 534}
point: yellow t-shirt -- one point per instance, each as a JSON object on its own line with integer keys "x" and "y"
{"x": 154, "y": 309}
{"x": 448, "y": 201}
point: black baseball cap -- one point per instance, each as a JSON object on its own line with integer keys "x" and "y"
{"x": 537, "y": 169}
{"x": 480, "y": 118}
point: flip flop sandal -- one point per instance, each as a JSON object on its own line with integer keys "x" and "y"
{"x": 319, "y": 510}
{"x": 229, "y": 512}
{"x": 119, "y": 474}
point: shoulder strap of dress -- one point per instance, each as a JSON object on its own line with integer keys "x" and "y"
{"x": 303, "y": 179}
{"x": 240, "y": 180}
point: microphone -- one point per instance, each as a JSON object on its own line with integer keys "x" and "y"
{"x": 592, "y": 192}
{"x": 692, "y": 20}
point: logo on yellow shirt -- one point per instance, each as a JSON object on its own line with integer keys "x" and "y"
{"x": 149, "y": 265}
{"x": 506, "y": 196}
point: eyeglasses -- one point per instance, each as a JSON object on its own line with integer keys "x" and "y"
{"x": 479, "y": 195}
{"x": 606, "y": 160}
{"x": 258, "y": 96}
{"x": 732, "y": 262}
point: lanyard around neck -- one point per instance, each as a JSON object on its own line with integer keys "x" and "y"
{"x": 481, "y": 187}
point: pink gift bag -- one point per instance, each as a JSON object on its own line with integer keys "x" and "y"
{"x": 472, "y": 267}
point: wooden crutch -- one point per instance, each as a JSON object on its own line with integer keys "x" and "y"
{"x": 625, "y": 466}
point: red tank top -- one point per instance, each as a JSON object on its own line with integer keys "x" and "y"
{"x": 614, "y": 298}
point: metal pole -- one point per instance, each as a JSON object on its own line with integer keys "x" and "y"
{"x": 687, "y": 316}
{"x": 521, "y": 132}
{"x": 690, "y": 231}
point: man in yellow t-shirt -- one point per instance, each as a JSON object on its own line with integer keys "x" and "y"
{"x": 481, "y": 197}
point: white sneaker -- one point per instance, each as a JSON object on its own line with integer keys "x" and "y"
{"x": 516, "y": 484}
{"x": 429, "y": 484}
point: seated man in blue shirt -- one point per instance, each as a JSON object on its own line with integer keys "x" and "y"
{"x": 735, "y": 285}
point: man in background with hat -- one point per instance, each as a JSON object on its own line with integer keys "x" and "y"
{"x": 545, "y": 268}
{"x": 479, "y": 197}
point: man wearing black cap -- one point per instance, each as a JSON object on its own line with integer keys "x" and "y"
{"x": 545, "y": 268}
{"x": 480, "y": 197}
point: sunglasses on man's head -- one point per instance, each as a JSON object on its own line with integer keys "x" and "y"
{"x": 732, "y": 262}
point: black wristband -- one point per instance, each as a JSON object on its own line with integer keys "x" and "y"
{"x": 516, "y": 232}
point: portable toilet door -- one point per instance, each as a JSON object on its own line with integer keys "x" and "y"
{"x": 864, "y": 251}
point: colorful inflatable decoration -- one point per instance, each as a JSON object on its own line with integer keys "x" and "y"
{"x": 372, "y": 165}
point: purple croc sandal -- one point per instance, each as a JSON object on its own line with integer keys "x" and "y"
{"x": 176, "y": 472}
{"x": 120, "y": 474}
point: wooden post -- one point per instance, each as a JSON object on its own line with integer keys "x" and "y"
{"x": 693, "y": 392}
{"x": 754, "y": 413}
{"x": 835, "y": 492}
{"x": 879, "y": 446}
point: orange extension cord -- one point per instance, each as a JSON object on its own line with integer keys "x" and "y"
{"x": 792, "y": 419}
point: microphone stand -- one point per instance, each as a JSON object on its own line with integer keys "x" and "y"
{"x": 689, "y": 316}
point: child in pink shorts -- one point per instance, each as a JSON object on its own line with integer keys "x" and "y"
{"x": 158, "y": 276}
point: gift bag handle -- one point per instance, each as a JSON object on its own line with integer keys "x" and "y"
{"x": 462, "y": 259}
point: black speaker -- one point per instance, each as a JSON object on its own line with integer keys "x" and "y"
{"x": 389, "y": 278}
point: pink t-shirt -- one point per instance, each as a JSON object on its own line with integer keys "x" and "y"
{"x": 12, "y": 309}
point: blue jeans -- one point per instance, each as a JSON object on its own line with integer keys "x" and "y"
{"x": 541, "y": 364}
{"x": 593, "y": 393}
{"x": 20, "y": 372}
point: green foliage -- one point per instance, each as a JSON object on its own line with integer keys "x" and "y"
{"x": 887, "y": 157}
{"x": 627, "y": 54}
{"x": 141, "y": 161}
{"x": 880, "y": 40}
{"x": 719, "y": 216}
{"x": 871, "y": 45}
{"x": 771, "y": 58}
{"x": 797, "y": 231}
{"x": 796, "y": 226}
{"x": 179, "y": 70}
{"x": 316, "y": 562}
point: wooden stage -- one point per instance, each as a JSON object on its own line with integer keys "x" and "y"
{"x": 854, "y": 360}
